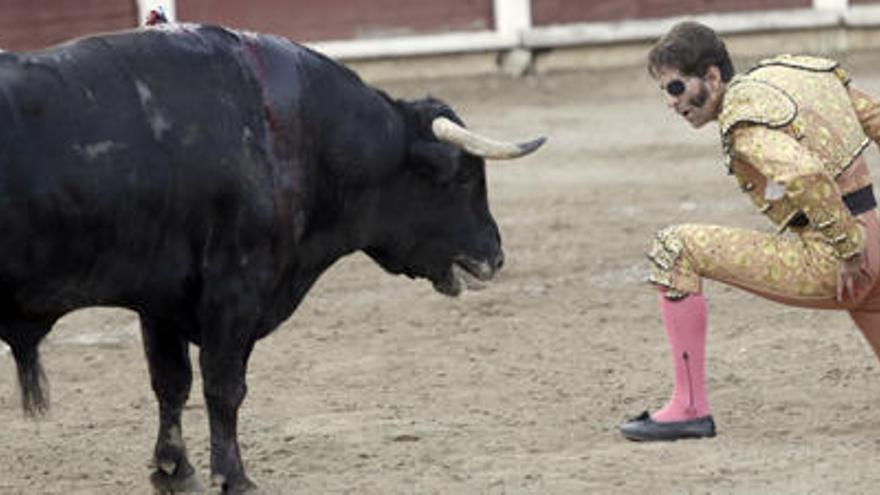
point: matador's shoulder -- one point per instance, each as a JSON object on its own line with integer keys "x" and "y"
{"x": 749, "y": 100}
{"x": 803, "y": 62}
{"x": 757, "y": 96}
{"x": 807, "y": 63}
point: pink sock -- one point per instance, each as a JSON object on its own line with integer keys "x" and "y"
{"x": 685, "y": 323}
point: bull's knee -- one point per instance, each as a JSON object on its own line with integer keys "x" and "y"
{"x": 671, "y": 266}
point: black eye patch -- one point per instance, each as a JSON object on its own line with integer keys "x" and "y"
{"x": 675, "y": 87}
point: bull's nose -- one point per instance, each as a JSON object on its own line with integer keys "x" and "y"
{"x": 498, "y": 262}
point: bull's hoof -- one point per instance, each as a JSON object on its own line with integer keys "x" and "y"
{"x": 180, "y": 480}
{"x": 239, "y": 486}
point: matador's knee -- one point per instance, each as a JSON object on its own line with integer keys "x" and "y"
{"x": 672, "y": 264}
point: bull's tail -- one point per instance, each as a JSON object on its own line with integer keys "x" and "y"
{"x": 31, "y": 379}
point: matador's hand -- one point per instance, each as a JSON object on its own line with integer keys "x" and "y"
{"x": 853, "y": 277}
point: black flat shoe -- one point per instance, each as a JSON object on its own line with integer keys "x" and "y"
{"x": 644, "y": 429}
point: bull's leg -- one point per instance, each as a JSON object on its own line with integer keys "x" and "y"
{"x": 223, "y": 362}
{"x": 171, "y": 377}
{"x": 23, "y": 337}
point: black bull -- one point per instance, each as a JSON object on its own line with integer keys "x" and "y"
{"x": 205, "y": 178}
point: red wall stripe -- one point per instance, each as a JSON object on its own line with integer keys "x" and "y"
{"x": 309, "y": 20}
{"x": 546, "y": 12}
{"x": 26, "y": 25}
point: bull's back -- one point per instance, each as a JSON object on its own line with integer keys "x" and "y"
{"x": 120, "y": 154}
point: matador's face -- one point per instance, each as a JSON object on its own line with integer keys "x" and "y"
{"x": 696, "y": 99}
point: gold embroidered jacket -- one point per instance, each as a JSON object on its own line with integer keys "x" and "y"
{"x": 789, "y": 127}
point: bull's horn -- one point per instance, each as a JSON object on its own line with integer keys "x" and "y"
{"x": 448, "y": 131}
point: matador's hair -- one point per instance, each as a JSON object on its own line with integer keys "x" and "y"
{"x": 691, "y": 48}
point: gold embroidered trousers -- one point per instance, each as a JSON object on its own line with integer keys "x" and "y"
{"x": 799, "y": 268}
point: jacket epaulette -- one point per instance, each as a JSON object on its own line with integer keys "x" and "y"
{"x": 755, "y": 102}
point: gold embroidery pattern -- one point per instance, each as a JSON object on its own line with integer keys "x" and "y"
{"x": 822, "y": 119}
{"x": 755, "y": 102}
{"x": 797, "y": 266}
{"x": 801, "y": 149}
{"x": 831, "y": 218}
{"x": 669, "y": 268}
{"x": 804, "y": 62}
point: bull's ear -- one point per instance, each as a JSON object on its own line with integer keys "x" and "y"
{"x": 437, "y": 160}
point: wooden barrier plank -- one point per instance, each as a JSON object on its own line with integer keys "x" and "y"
{"x": 343, "y": 19}
{"x": 546, "y": 12}
{"x": 26, "y": 25}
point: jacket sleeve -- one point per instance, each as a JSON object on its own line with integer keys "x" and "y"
{"x": 868, "y": 111}
{"x": 791, "y": 170}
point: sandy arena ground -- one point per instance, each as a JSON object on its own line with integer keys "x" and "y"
{"x": 378, "y": 385}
